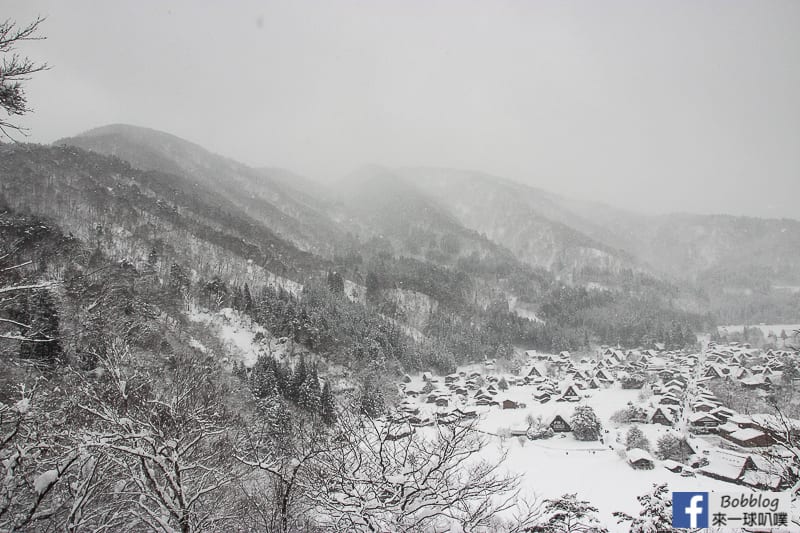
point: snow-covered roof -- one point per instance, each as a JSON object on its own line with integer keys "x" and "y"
{"x": 637, "y": 454}
{"x": 696, "y": 417}
{"x": 746, "y": 434}
{"x": 725, "y": 464}
{"x": 728, "y": 427}
{"x": 740, "y": 419}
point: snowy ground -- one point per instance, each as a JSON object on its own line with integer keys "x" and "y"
{"x": 241, "y": 338}
{"x": 560, "y": 465}
{"x": 520, "y": 310}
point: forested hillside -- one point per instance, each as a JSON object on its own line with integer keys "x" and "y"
{"x": 401, "y": 245}
{"x": 262, "y": 194}
{"x": 741, "y": 269}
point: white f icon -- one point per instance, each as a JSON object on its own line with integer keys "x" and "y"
{"x": 693, "y": 510}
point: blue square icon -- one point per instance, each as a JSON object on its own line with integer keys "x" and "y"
{"x": 689, "y": 509}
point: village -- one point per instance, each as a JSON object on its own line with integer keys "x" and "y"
{"x": 691, "y": 437}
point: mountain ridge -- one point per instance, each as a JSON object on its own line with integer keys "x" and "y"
{"x": 446, "y": 217}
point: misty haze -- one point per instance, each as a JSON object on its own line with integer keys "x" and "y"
{"x": 399, "y": 266}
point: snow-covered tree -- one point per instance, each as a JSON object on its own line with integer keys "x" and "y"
{"x": 263, "y": 381}
{"x": 299, "y": 377}
{"x": 371, "y": 401}
{"x": 16, "y": 69}
{"x": 389, "y": 477}
{"x": 167, "y": 443}
{"x": 44, "y": 329}
{"x": 656, "y": 513}
{"x": 327, "y": 405}
{"x": 568, "y": 514}
{"x": 585, "y": 424}
{"x": 33, "y": 467}
{"x": 538, "y": 429}
{"x": 635, "y": 438}
{"x": 672, "y": 446}
{"x": 309, "y": 395}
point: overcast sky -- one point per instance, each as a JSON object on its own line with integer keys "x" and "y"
{"x": 660, "y": 106}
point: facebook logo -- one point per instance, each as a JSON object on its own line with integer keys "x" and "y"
{"x": 689, "y": 509}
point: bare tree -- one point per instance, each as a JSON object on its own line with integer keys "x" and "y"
{"x": 168, "y": 444}
{"x": 12, "y": 287}
{"x": 387, "y": 476}
{"x": 38, "y": 465}
{"x": 378, "y": 475}
{"x": 14, "y": 70}
{"x": 280, "y": 449}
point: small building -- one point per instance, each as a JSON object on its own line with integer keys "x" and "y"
{"x": 727, "y": 428}
{"x": 749, "y": 438}
{"x": 536, "y": 372}
{"x": 703, "y": 407}
{"x": 661, "y": 416}
{"x": 703, "y": 419}
{"x": 570, "y": 394}
{"x": 466, "y": 413}
{"x": 542, "y": 397}
{"x": 727, "y": 466}
{"x": 640, "y": 459}
{"x": 722, "y": 413}
{"x": 669, "y": 399}
{"x": 604, "y": 376}
{"x": 510, "y": 404}
{"x": 558, "y": 424}
{"x": 672, "y": 466}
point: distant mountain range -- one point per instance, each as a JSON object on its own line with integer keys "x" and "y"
{"x": 450, "y": 218}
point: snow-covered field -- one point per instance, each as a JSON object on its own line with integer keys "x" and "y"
{"x": 561, "y": 464}
{"x": 237, "y": 333}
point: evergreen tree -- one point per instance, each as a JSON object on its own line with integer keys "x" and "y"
{"x": 309, "y": 393}
{"x": 283, "y": 377}
{"x": 335, "y": 283}
{"x": 372, "y": 286}
{"x": 372, "y": 402}
{"x": 656, "y": 513}
{"x": 248, "y": 299}
{"x": 44, "y": 323}
{"x": 671, "y": 446}
{"x": 264, "y": 382}
{"x": 635, "y": 438}
{"x": 298, "y": 379}
{"x": 327, "y": 405}
{"x": 568, "y": 514}
{"x": 179, "y": 280}
{"x": 237, "y": 301}
{"x": 585, "y": 424}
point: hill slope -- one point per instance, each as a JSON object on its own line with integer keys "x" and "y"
{"x": 264, "y": 194}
